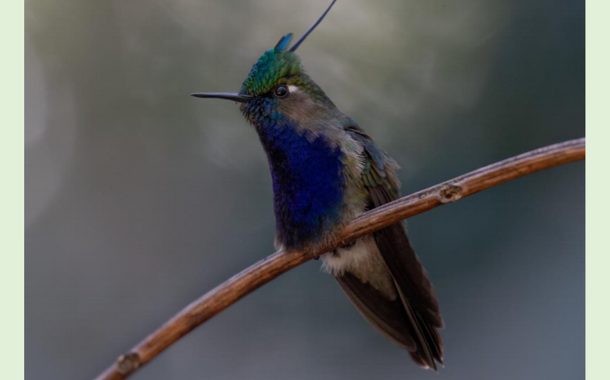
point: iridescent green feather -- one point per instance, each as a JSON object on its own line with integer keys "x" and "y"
{"x": 378, "y": 170}
{"x": 276, "y": 66}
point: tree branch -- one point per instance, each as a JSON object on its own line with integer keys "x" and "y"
{"x": 280, "y": 262}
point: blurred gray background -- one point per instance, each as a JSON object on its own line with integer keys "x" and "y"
{"x": 139, "y": 198}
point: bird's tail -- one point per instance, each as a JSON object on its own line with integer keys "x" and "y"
{"x": 412, "y": 318}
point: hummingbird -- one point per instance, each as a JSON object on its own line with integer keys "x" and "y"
{"x": 326, "y": 170}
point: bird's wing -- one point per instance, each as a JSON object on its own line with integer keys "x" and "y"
{"x": 419, "y": 316}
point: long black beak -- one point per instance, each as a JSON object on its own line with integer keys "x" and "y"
{"x": 242, "y": 98}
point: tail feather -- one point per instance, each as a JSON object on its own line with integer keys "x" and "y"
{"x": 410, "y": 320}
{"x": 416, "y": 291}
{"x": 386, "y": 316}
{"x": 410, "y": 276}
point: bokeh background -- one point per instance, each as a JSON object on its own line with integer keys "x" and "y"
{"x": 139, "y": 198}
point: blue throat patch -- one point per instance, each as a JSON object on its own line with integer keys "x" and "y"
{"x": 308, "y": 183}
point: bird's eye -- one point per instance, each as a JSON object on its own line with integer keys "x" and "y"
{"x": 281, "y": 91}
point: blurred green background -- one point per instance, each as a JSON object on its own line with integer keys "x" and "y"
{"x": 139, "y": 198}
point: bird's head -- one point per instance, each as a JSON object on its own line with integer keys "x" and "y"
{"x": 278, "y": 87}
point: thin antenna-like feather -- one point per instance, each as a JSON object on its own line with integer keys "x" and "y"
{"x": 296, "y": 45}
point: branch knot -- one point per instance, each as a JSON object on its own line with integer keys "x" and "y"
{"x": 450, "y": 193}
{"x": 128, "y": 363}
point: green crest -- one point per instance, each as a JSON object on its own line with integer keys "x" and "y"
{"x": 274, "y": 67}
